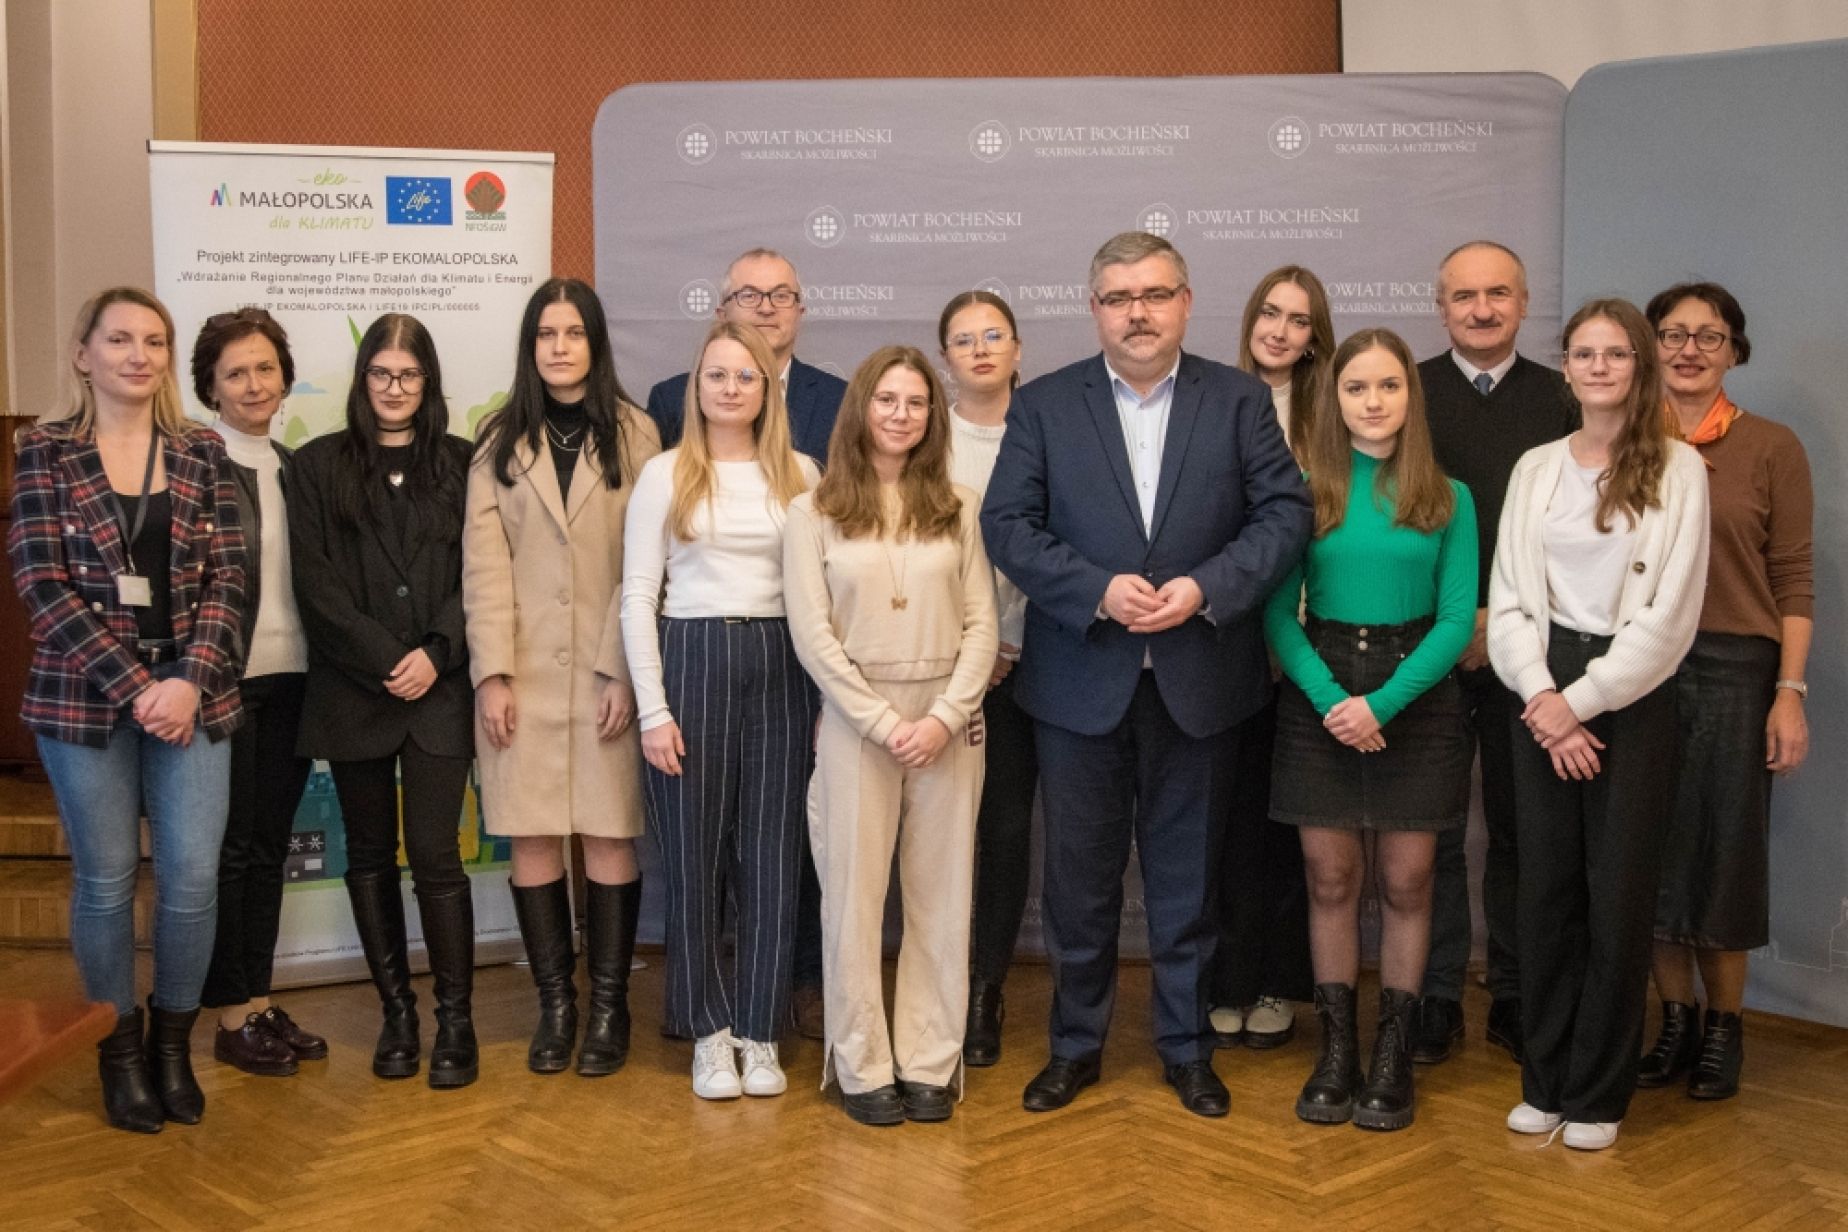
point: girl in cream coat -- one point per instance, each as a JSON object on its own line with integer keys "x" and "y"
{"x": 891, "y": 606}
{"x": 542, "y": 569}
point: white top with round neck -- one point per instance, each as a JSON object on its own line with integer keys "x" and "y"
{"x": 277, "y": 642}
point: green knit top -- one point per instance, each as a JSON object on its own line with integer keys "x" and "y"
{"x": 1369, "y": 572}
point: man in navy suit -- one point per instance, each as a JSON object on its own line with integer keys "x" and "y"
{"x": 1147, "y": 504}
{"x": 761, "y": 289}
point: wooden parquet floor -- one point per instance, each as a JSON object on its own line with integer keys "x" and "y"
{"x": 336, "y": 1148}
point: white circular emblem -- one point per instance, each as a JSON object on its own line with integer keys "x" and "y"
{"x": 1289, "y": 137}
{"x": 698, "y": 299}
{"x": 697, "y": 144}
{"x": 990, "y": 142}
{"x": 1157, "y": 220}
{"x": 825, "y": 226}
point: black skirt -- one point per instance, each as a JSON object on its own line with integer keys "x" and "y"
{"x": 1716, "y": 867}
{"x": 1419, "y": 781}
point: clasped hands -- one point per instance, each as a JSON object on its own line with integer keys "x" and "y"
{"x": 1135, "y": 603}
{"x": 1557, "y": 730}
{"x": 166, "y": 710}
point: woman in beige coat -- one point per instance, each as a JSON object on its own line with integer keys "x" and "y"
{"x": 541, "y": 584}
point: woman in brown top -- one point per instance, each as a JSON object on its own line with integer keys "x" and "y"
{"x": 1740, "y": 689}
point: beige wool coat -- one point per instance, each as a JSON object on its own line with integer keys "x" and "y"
{"x": 541, "y": 591}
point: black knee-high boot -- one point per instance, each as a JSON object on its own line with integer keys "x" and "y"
{"x": 612, "y": 912}
{"x": 449, "y": 937}
{"x": 544, "y": 913}
{"x": 378, "y": 914}
{"x": 129, "y": 1099}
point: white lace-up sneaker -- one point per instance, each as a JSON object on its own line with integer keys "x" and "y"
{"x": 1591, "y": 1135}
{"x": 715, "y": 1070}
{"x": 762, "y": 1074}
{"x": 1527, "y": 1119}
{"x": 1228, "y": 1021}
{"x": 1270, "y": 1023}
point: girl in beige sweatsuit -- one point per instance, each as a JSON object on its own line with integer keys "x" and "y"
{"x": 891, "y": 608}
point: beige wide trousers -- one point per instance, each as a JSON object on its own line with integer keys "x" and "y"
{"x": 862, "y": 806}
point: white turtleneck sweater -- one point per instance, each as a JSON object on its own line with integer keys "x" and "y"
{"x": 277, "y": 643}
{"x": 973, "y": 449}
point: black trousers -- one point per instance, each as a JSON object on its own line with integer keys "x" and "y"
{"x": 1263, "y": 893}
{"x": 432, "y": 793}
{"x": 266, "y": 787}
{"x": 1590, "y": 860}
{"x": 1489, "y": 707}
{"x": 734, "y": 823}
{"x": 1170, "y": 792}
{"x": 1003, "y": 834}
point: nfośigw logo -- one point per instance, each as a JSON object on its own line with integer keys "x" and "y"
{"x": 417, "y": 200}
{"x": 485, "y": 193}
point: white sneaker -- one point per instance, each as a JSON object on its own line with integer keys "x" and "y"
{"x": 1269, "y": 1017}
{"x": 715, "y": 1070}
{"x": 762, "y": 1074}
{"x": 1591, "y": 1135}
{"x": 1527, "y": 1119}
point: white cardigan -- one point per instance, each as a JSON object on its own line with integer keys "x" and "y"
{"x": 1660, "y": 605}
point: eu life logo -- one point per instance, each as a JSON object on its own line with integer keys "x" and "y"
{"x": 417, "y": 200}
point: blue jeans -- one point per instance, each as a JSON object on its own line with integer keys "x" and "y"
{"x": 101, "y": 794}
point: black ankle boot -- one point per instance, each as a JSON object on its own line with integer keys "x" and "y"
{"x": 1386, "y": 1101}
{"x": 1328, "y": 1096}
{"x": 544, "y": 913}
{"x": 449, "y": 937}
{"x": 170, "y": 1063}
{"x": 1675, "y": 1048}
{"x": 378, "y": 915}
{"x": 611, "y": 913}
{"x": 1722, "y": 1054}
{"x": 982, "y": 1034}
{"x": 129, "y": 1099}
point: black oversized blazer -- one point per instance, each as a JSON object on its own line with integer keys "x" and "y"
{"x": 365, "y": 603}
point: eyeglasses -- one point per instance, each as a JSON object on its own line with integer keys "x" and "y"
{"x": 886, "y": 403}
{"x": 380, "y": 380}
{"x": 962, "y": 344}
{"x": 1616, "y": 357}
{"x": 751, "y": 297}
{"x": 1674, "y": 339}
{"x": 1154, "y": 297}
{"x": 222, "y": 319}
{"x": 715, "y": 378}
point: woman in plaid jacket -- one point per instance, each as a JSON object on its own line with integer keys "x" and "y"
{"x": 127, "y": 555}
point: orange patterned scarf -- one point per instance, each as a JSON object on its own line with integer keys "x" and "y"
{"x": 1713, "y": 425}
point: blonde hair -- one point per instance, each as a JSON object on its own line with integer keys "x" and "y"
{"x": 695, "y": 481}
{"x": 79, "y": 410}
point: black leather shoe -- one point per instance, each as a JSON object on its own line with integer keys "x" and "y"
{"x": 1439, "y": 1026}
{"x": 306, "y": 1045}
{"x": 255, "y": 1049}
{"x": 1504, "y": 1028}
{"x": 1386, "y": 1101}
{"x": 982, "y": 1035}
{"x": 1059, "y": 1083}
{"x": 129, "y": 1099}
{"x": 1199, "y": 1087}
{"x": 544, "y": 915}
{"x": 1328, "y": 1096}
{"x": 924, "y": 1102}
{"x": 170, "y": 1063}
{"x": 1676, "y": 1047}
{"x": 1722, "y": 1055}
{"x": 879, "y": 1106}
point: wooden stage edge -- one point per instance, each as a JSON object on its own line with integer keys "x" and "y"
{"x": 335, "y": 1148}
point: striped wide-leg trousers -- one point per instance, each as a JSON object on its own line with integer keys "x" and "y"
{"x": 732, "y": 824}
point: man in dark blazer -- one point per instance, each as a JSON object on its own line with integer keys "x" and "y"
{"x": 1147, "y": 504}
{"x": 761, "y": 289}
{"x": 1487, "y": 405}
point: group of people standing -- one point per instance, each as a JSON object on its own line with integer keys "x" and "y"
{"x": 807, "y": 631}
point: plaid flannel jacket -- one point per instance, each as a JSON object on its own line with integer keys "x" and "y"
{"x": 66, "y": 549}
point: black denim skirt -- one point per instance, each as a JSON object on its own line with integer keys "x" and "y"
{"x": 1715, "y": 891}
{"x": 1419, "y": 781}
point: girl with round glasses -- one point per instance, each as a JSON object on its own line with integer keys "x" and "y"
{"x": 375, "y": 538}
{"x": 541, "y": 572}
{"x": 1599, "y": 567}
{"x": 726, "y": 715}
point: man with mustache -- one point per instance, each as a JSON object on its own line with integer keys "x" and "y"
{"x": 1487, "y": 405}
{"x": 1146, "y": 503}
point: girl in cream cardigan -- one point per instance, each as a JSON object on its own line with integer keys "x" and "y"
{"x": 1598, "y": 575}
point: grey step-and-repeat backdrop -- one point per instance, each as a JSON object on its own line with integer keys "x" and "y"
{"x": 892, "y": 196}
{"x": 1734, "y": 167}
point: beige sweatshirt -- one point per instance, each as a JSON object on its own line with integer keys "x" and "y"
{"x": 839, "y": 594}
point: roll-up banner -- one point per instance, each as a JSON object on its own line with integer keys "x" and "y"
{"x": 326, "y": 239}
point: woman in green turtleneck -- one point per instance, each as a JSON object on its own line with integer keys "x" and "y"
{"x": 1370, "y": 733}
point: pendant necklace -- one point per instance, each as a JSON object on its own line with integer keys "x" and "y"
{"x": 395, "y": 479}
{"x": 564, "y": 439}
{"x": 899, "y": 600}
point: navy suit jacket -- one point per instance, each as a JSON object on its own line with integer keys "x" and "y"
{"x": 814, "y": 399}
{"x": 1061, "y": 519}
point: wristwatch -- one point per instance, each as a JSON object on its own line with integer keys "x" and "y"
{"x": 1799, "y": 687}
